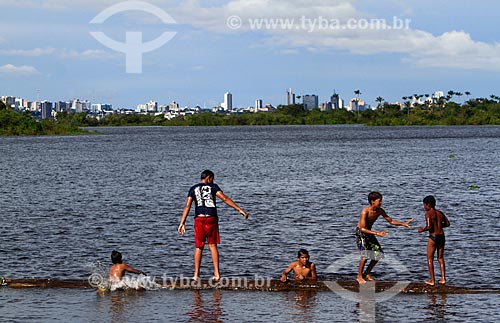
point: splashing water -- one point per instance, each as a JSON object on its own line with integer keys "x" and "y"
{"x": 99, "y": 278}
{"x": 137, "y": 283}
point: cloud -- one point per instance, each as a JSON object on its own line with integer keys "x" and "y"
{"x": 29, "y": 52}
{"x": 322, "y": 25}
{"x": 88, "y": 54}
{"x": 456, "y": 49}
{"x": 18, "y": 70}
{"x": 67, "y": 5}
{"x": 198, "y": 68}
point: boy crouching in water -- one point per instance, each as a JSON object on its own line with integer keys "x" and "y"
{"x": 366, "y": 239}
{"x": 302, "y": 268}
{"x": 435, "y": 221}
{"x": 118, "y": 270}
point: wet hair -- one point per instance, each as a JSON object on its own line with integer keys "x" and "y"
{"x": 302, "y": 252}
{"x": 116, "y": 257}
{"x": 373, "y": 196}
{"x": 207, "y": 173}
{"x": 430, "y": 200}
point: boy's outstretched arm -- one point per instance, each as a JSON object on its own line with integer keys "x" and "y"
{"x": 133, "y": 270}
{"x": 395, "y": 222}
{"x": 226, "y": 199}
{"x": 362, "y": 225}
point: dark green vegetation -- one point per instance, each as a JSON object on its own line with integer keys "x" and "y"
{"x": 473, "y": 112}
{"x": 22, "y": 124}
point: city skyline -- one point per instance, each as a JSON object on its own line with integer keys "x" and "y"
{"x": 48, "y": 50}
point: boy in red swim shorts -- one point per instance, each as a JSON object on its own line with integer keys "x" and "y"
{"x": 206, "y": 224}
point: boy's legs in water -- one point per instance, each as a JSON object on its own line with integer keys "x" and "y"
{"x": 440, "y": 256}
{"x": 431, "y": 249}
{"x": 369, "y": 269}
{"x": 362, "y": 263}
{"x": 215, "y": 259}
{"x": 198, "y": 253}
{"x": 360, "y": 278}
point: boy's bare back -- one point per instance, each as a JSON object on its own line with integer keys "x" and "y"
{"x": 117, "y": 271}
{"x": 436, "y": 221}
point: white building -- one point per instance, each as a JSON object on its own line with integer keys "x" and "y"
{"x": 358, "y": 105}
{"x": 290, "y": 97}
{"x": 228, "y": 101}
{"x": 151, "y": 106}
{"x": 258, "y": 104}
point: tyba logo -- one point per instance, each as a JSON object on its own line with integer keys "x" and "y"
{"x": 367, "y": 297}
{"x": 133, "y": 46}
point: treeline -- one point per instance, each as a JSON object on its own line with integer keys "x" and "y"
{"x": 473, "y": 112}
{"x": 13, "y": 123}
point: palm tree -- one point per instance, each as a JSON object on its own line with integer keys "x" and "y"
{"x": 379, "y": 100}
{"x": 358, "y": 93}
{"x": 450, "y": 95}
{"x": 459, "y": 94}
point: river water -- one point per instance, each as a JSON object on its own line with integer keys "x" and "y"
{"x": 67, "y": 201}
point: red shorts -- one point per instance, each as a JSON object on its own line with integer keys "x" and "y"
{"x": 206, "y": 229}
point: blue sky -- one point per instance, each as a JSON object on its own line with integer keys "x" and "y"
{"x": 47, "y": 51}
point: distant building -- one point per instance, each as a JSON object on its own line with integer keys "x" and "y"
{"x": 228, "y": 101}
{"x": 33, "y": 106}
{"x": 310, "y": 101}
{"x": 99, "y": 107}
{"x": 336, "y": 101}
{"x": 62, "y": 106}
{"x": 258, "y": 104}
{"x": 151, "y": 106}
{"x": 9, "y": 100}
{"x": 290, "y": 97}
{"x": 46, "y": 109}
{"x": 19, "y": 104}
{"x": 358, "y": 105}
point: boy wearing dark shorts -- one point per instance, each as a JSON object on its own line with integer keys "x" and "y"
{"x": 366, "y": 240}
{"x": 435, "y": 221}
{"x": 206, "y": 224}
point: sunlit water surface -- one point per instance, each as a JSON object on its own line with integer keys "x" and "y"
{"x": 67, "y": 202}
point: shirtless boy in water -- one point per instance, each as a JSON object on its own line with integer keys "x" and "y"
{"x": 117, "y": 271}
{"x": 302, "y": 268}
{"x": 367, "y": 243}
{"x": 435, "y": 221}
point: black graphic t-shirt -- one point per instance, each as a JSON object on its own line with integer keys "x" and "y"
{"x": 204, "y": 198}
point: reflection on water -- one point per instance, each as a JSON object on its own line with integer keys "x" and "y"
{"x": 122, "y": 304}
{"x": 206, "y": 307}
{"x": 302, "y": 304}
{"x": 436, "y": 310}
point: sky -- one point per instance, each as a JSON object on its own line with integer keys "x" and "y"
{"x": 127, "y": 53}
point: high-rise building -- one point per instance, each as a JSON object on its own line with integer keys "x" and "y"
{"x": 335, "y": 101}
{"x": 358, "y": 105}
{"x": 228, "y": 101}
{"x": 290, "y": 97}
{"x": 46, "y": 108}
{"x": 310, "y": 101}
{"x": 258, "y": 104}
